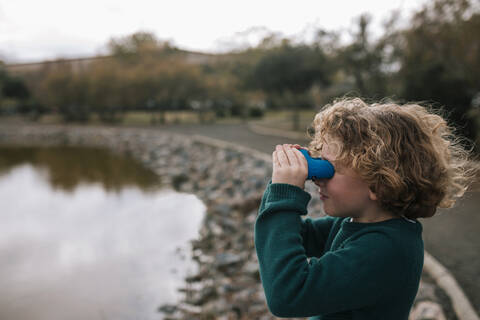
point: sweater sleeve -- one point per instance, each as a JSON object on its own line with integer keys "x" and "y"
{"x": 355, "y": 276}
{"x": 314, "y": 231}
{"x": 315, "y": 234}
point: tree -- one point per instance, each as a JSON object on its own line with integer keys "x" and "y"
{"x": 16, "y": 97}
{"x": 364, "y": 61}
{"x": 139, "y": 45}
{"x": 65, "y": 91}
{"x": 290, "y": 70}
{"x": 15, "y": 88}
{"x": 440, "y": 59}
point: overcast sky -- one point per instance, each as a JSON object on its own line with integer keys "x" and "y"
{"x": 47, "y": 29}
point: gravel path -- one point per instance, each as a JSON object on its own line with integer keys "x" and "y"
{"x": 235, "y": 133}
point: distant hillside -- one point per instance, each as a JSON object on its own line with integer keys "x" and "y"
{"x": 81, "y": 63}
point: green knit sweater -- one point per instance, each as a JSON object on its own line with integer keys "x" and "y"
{"x": 331, "y": 268}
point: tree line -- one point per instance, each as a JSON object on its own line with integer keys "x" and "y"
{"x": 435, "y": 59}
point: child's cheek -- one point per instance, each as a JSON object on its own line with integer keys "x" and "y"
{"x": 338, "y": 184}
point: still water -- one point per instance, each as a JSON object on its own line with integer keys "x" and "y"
{"x": 85, "y": 234}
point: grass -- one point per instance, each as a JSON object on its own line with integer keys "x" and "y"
{"x": 140, "y": 118}
{"x": 274, "y": 119}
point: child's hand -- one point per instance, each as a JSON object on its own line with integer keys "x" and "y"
{"x": 289, "y": 166}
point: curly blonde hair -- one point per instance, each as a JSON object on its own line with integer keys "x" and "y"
{"x": 407, "y": 155}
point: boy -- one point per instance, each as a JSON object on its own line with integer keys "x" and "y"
{"x": 393, "y": 164}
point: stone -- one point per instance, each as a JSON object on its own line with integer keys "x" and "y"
{"x": 228, "y": 224}
{"x": 427, "y": 310}
{"x": 168, "y": 308}
{"x": 200, "y": 297}
{"x": 178, "y": 180}
{"x": 222, "y": 208}
{"x": 426, "y": 291}
{"x": 227, "y": 259}
{"x": 251, "y": 268}
{"x": 257, "y": 308}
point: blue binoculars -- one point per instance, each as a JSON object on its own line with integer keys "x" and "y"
{"x": 317, "y": 167}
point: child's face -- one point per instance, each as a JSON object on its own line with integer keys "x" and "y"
{"x": 345, "y": 194}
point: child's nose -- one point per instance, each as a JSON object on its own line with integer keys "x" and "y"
{"x": 319, "y": 181}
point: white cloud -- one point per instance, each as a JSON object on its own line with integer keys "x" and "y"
{"x": 33, "y": 30}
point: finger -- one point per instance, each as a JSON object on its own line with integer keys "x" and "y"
{"x": 296, "y": 146}
{"x": 291, "y": 156}
{"x": 276, "y": 162}
{"x": 282, "y": 157}
{"x": 301, "y": 159}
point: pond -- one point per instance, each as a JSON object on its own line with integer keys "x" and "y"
{"x": 86, "y": 234}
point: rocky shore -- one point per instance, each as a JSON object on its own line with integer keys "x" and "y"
{"x": 230, "y": 181}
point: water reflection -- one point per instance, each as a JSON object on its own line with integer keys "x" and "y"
{"x": 70, "y": 166}
{"x": 90, "y": 253}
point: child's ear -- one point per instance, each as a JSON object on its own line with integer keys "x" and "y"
{"x": 372, "y": 195}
